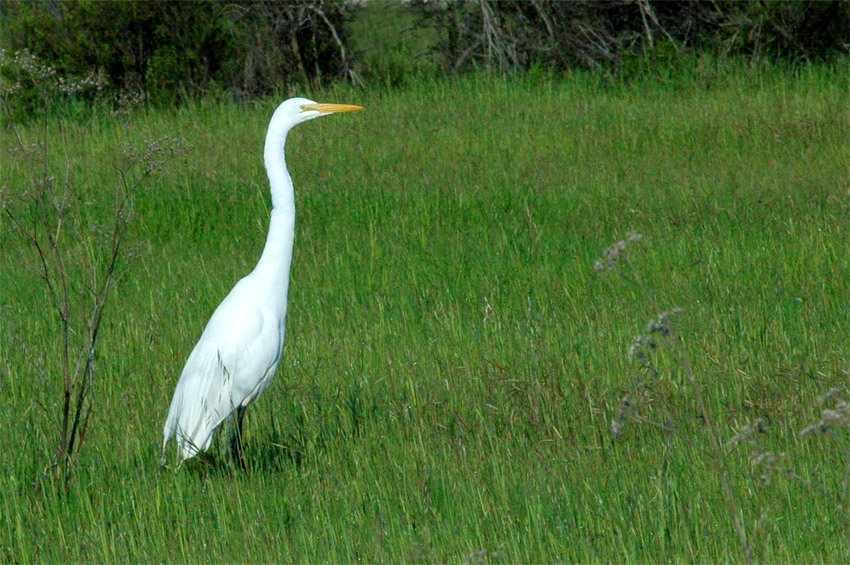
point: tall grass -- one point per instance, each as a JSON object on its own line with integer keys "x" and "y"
{"x": 453, "y": 362}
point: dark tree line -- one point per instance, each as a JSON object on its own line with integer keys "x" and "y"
{"x": 173, "y": 49}
{"x": 515, "y": 34}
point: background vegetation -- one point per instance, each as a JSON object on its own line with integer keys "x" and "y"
{"x": 458, "y": 382}
{"x": 171, "y": 50}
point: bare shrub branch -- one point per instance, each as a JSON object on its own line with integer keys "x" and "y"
{"x": 77, "y": 259}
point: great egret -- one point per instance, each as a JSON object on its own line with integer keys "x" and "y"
{"x": 238, "y": 353}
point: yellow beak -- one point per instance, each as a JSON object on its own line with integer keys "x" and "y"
{"x": 331, "y": 108}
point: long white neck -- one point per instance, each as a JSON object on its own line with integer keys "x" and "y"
{"x": 273, "y": 266}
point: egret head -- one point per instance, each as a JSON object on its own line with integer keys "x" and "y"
{"x": 296, "y": 110}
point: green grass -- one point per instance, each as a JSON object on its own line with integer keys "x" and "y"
{"x": 453, "y": 362}
{"x": 392, "y": 44}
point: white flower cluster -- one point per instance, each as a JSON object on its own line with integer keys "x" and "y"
{"x": 23, "y": 68}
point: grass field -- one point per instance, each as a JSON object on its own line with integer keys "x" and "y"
{"x": 453, "y": 361}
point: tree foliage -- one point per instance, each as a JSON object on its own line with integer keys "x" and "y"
{"x": 170, "y": 50}
{"x": 518, "y": 34}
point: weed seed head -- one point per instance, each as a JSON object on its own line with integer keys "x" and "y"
{"x": 639, "y": 346}
{"x": 829, "y": 395}
{"x": 662, "y": 324}
{"x": 627, "y": 410}
{"x": 616, "y": 427}
{"x": 748, "y": 433}
{"x": 614, "y": 253}
{"x": 836, "y": 417}
{"x": 156, "y": 153}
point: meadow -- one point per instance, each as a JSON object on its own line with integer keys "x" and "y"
{"x": 453, "y": 361}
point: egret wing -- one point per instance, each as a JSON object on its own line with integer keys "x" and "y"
{"x": 233, "y": 361}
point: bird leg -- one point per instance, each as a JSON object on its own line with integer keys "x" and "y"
{"x": 236, "y": 441}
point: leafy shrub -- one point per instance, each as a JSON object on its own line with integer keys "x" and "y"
{"x": 519, "y": 34}
{"x": 170, "y": 49}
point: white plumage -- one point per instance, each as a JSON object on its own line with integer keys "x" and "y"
{"x": 237, "y": 355}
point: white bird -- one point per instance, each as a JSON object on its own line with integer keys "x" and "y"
{"x": 239, "y": 351}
